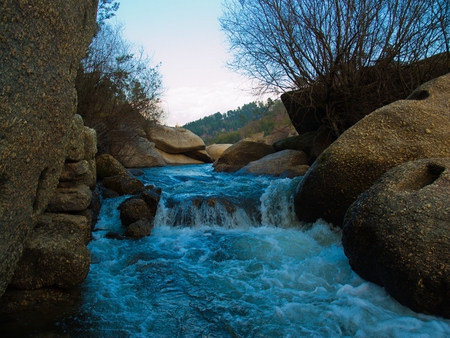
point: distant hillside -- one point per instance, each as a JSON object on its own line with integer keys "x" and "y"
{"x": 234, "y": 125}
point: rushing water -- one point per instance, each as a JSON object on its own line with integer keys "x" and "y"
{"x": 242, "y": 268}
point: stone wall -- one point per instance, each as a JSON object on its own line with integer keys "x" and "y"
{"x": 42, "y": 43}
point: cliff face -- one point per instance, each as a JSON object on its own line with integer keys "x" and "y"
{"x": 41, "y": 45}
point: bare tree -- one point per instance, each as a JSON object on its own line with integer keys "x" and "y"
{"x": 341, "y": 54}
{"x": 117, "y": 87}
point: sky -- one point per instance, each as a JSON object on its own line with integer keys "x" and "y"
{"x": 185, "y": 36}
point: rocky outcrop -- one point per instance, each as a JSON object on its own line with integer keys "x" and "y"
{"x": 55, "y": 254}
{"x": 42, "y": 44}
{"x": 134, "y": 152}
{"x": 215, "y": 150}
{"x": 240, "y": 154}
{"x": 276, "y": 163}
{"x": 402, "y": 131}
{"x": 178, "y": 158}
{"x": 174, "y": 140}
{"x": 396, "y": 234}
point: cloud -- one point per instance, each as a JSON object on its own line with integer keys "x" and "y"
{"x": 186, "y": 104}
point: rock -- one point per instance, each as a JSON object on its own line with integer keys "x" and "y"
{"x": 69, "y": 221}
{"x": 74, "y": 171}
{"x": 90, "y": 143}
{"x": 109, "y": 193}
{"x": 134, "y": 152}
{"x": 134, "y": 209}
{"x": 77, "y": 197}
{"x": 402, "y": 131}
{"x": 75, "y": 147}
{"x": 174, "y": 140}
{"x": 139, "y": 229}
{"x": 136, "y": 172}
{"x": 42, "y": 45}
{"x": 200, "y": 155}
{"x": 322, "y": 140}
{"x": 276, "y": 163}
{"x": 177, "y": 158}
{"x": 90, "y": 178}
{"x": 304, "y": 117}
{"x": 151, "y": 196}
{"x": 215, "y": 150}
{"x": 108, "y": 166}
{"x": 123, "y": 185}
{"x": 54, "y": 255}
{"x": 396, "y": 234}
{"x": 303, "y": 142}
{"x": 240, "y": 154}
{"x": 299, "y": 170}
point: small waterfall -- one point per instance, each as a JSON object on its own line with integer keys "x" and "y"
{"x": 227, "y": 258}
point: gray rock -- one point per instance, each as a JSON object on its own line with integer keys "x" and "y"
{"x": 397, "y": 234}
{"x": 134, "y": 151}
{"x": 108, "y": 166}
{"x": 276, "y": 163}
{"x": 75, "y": 147}
{"x": 240, "y": 154}
{"x": 123, "y": 185}
{"x": 132, "y": 210}
{"x": 215, "y": 150}
{"x": 402, "y": 131}
{"x": 54, "y": 255}
{"x": 74, "y": 171}
{"x": 73, "y": 197}
{"x": 139, "y": 229}
{"x": 174, "y": 140}
{"x": 41, "y": 52}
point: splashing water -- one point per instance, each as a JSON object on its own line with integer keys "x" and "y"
{"x": 242, "y": 268}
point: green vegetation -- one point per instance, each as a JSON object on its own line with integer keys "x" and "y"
{"x": 235, "y": 125}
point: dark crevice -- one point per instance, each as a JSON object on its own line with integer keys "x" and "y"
{"x": 419, "y": 95}
{"x": 37, "y": 204}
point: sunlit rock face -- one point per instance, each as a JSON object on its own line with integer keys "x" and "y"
{"x": 396, "y": 234}
{"x": 42, "y": 43}
{"x": 403, "y": 131}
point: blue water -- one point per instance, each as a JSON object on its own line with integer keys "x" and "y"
{"x": 227, "y": 258}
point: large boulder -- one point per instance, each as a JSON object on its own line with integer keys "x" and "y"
{"x": 240, "y": 154}
{"x": 397, "y": 234}
{"x": 177, "y": 158}
{"x": 134, "y": 152}
{"x": 42, "y": 43}
{"x": 276, "y": 163}
{"x": 133, "y": 210}
{"x": 405, "y": 130}
{"x": 108, "y": 166}
{"x": 174, "y": 140}
{"x": 215, "y": 150}
{"x": 54, "y": 255}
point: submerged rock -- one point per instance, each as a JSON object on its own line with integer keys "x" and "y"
{"x": 400, "y": 132}
{"x": 397, "y": 234}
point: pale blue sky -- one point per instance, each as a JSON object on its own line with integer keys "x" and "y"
{"x": 185, "y": 36}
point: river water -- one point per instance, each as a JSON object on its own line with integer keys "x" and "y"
{"x": 227, "y": 258}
